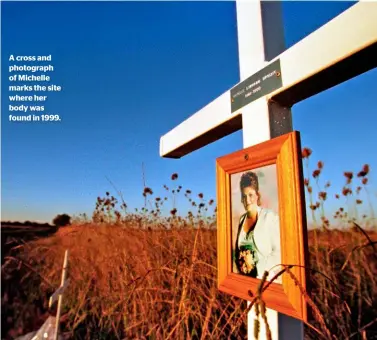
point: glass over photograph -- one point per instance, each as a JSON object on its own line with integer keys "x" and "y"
{"x": 255, "y": 223}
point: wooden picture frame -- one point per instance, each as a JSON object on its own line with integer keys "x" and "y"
{"x": 284, "y": 153}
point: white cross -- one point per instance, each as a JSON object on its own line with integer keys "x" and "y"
{"x": 341, "y": 49}
{"x": 58, "y": 294}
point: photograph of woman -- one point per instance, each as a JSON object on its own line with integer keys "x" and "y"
{"x": 257, "y": 234}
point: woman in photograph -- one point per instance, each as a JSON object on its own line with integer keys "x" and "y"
{"x": 257, "y": 245}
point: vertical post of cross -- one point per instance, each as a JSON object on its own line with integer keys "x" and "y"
{"x": 260, "y": 39}
{"x": 60, "y": 299}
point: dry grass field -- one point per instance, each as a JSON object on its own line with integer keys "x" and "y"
{"x": 144, "y": 276}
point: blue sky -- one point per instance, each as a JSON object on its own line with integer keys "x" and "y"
{"x": 130, "y": 72}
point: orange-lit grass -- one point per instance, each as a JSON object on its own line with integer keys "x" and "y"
{"x": 347, "y": 297}
{"x": 161, "y": 284}
{"x": 135, "y": 278}
{"x": 137, "y": 284}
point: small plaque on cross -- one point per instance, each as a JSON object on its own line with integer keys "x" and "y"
{"x": 258, "y": 85}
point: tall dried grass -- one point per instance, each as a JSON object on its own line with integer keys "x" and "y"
{"x": 343, "y": 255}
{"x": 136, "y": 284}
{"x": 144, "y": 276}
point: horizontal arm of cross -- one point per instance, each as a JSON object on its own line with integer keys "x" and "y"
{"x": 340, "y": 50}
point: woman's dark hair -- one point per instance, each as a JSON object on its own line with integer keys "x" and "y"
{"x": 250, "y": 179}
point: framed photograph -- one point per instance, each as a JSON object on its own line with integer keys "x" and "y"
{"x": 261, "y": 224}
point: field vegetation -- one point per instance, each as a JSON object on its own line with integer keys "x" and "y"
{"x": 146, "y": 275}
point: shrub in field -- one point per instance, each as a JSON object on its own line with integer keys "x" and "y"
{"x": 61, "y": 220}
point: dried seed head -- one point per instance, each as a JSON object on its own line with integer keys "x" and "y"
{"x": 346, "y": 191}
{"x": 349, "y": 176}
{"x": 320, "y": 165}
{"x": 174, "y": 176}
{"x": 316, "y": 173}
{"x": 306, "y": 152}
{"x": 361, "y": 174}
{"x": 364, "y": 171}
{"x": 148, "y": 191}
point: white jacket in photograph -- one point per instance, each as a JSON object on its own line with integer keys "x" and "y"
{"x": 267, "y": 241}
